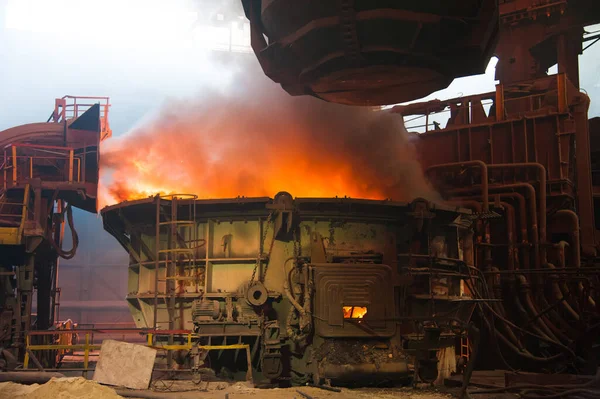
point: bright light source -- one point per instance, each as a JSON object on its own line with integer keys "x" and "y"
{"x": 354, "y": 312}
{"x": 125, "y": 23}
{"x": 85, "y": 16}
{"x": 110, "y": 21}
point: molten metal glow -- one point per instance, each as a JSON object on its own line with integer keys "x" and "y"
{"x": 259, "y": 141}
{"x": 354, "y": 312}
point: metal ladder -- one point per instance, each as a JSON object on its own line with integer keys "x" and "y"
{"x": 177, "y": 252}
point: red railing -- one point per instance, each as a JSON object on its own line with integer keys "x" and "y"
{"x": 508, "y": 101}
{"x": 71, "y": 107}
{"x": 23, "y": 162}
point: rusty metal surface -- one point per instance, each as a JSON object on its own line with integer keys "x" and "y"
{"x": 534, "y": 35}
{"x": 520, "y": 158}
{"x": 333, "y": 285}
{"x": 306, "y": 259}
{"x": 370, "y": 52}
{"x": 379, "y": 52}
{"x": 47, "y": 168}
{"x": 526, "y": 154}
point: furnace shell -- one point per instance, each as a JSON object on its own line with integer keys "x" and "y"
{"x": 290, "y": 277}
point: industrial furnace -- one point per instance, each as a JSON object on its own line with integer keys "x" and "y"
{"x": 346, "y": 289}
{"x": 333, "y": 289}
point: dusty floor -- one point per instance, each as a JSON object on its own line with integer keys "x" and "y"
{"x": 71, "y": 388}
{"x": 242, "y": 390}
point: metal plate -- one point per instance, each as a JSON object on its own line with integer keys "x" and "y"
{"x": 338, "y": 285}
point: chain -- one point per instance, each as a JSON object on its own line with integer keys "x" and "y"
{"x": 296, "y": 246}
{"x": 262, "y": 244}
{"x": 349, "y": 32}
{"x": 269, "y": 255}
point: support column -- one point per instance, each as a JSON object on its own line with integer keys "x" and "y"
{"x": 569, "y": 46}
{"x": 585, "y": 203}
{"x": 45, "y": 266}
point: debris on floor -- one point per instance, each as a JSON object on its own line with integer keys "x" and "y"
{"x": 13, "y": 389}
{"x": 58, "y": 388}
{"x": 80, "y": 388}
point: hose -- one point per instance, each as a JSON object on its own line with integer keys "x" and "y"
{"x": 304, "y": 319}
{"x": 588, "y": 389}
{"x": 559, "y": 296}
{"x": 527, "y": 355}
{"x": 65, "y": 254}
{"x": 286, "y": 287}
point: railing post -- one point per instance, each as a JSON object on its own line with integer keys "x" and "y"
{"x": 86, "y": 354}
{"x": 5, "y": 166}
{"x": 82, "y": 163}
{"x": 70, "y": 166}
{"x": 31, "y": 167}
{"x": 149, "y": 339}
{"x": 14, "y": 157}
{"x": 249, "y": 359}
{"x": 78, "y": 175}
{"x": 26, "y": 359}
{"x": 499, "y": 102}
{"x": 561, "y": 86}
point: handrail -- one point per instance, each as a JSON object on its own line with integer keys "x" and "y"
{"x": 557, "y": 86}
{"x": 68, "y": 164}
{"x": 87, "y": 97}
{"x": 68, "y": 107}
{"x": 36, "y": 146}
{"x": 150, "y": 342}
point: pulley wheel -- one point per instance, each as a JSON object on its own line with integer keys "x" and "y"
{"x": 257, "y": 294}
{"x": 428, "y": 371}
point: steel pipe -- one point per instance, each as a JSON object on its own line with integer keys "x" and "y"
{"x": 522, "y": 217}
{"x": 484, "y": 176}
{"x": 532, "y": 207}
{"x": 28, "y": 377}
{"x": 576, "y": 246}
{"x": 541, "y": 171}
{"x": 498, "y": 306}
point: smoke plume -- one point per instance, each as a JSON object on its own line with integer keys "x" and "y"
{"x": 255, "y": 140}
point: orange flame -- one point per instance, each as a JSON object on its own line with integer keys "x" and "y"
{"x": 354, "y": 312}
{"x": 261, "y": 141}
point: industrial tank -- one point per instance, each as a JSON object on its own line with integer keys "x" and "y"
{"x": 320, "y": 288}
{"x": 371, "y": 52}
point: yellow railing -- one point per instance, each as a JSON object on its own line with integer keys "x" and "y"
{"x": 189, "y": 345}
{"x": 13, "y": 235}
{"x": 87, "y": 347}
{"x": 150, "y": 341}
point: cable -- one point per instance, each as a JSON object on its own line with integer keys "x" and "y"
{"x": 555, "y": 391}
{"x": 503, "y": 338}
{"x": 69, "y": 254}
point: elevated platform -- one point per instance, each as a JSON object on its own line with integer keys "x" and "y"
{"x": 46, "y": 169}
